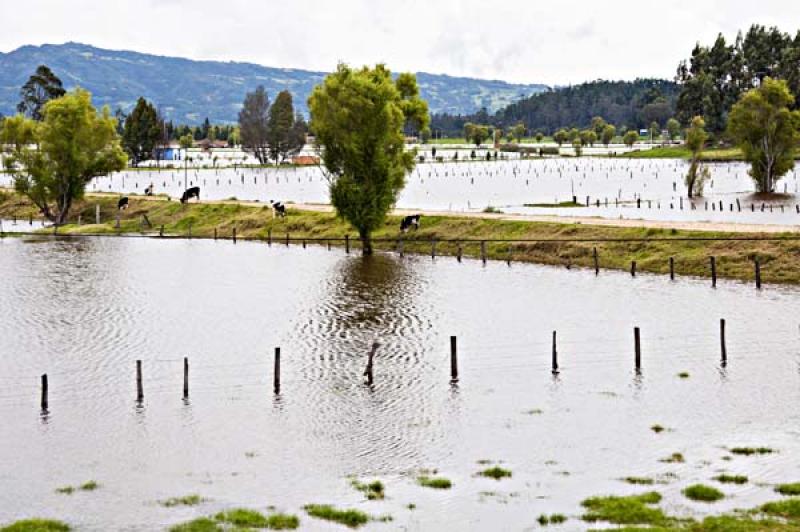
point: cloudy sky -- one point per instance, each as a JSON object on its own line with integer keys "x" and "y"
{"x": 514, "y": 40}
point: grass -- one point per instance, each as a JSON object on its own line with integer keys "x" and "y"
{"x": 243, "y": 517}
{"x": 683, "y": 375}
{"x": 554, "y": 519}
{"x": 657, "y": 428}
{"x": 439, "y": 483}
{"x": 187, "y": 500}
{"x": 749, "y": 451}
{"x": 788, "y": 509}
{"x": 89, "y": 486}
{"x": 734, "y": 258}
{"x": 641, "y": 481}
{"x": 629, "y": 510}
{"x": 86, "y": 486}
{"x": 202, "y": 524}
{"x": 283, "y": 522}
{"x": 36, "y": 525}
{"x": 731, "y": 479}
{"x": 373, "y": 490}
{"x": 495, "y": 472}
{"x": 351, "y": 518}
{"x": 674, "y": 458}
{"x": 789, "y": 489}
{"x": 703, "y": 493}
{"x": 682, "y": 152}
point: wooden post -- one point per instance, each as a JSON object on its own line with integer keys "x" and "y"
{"x": 185, "y": 377}
{"x": 459, "y": 252}
{"x": 161, "y": 231}
{"x": 304, "y": 243}
{"x": 276, "y": 375}
{"x": 97, "y": 214}
{"x": 215, "y": 234}
{"x": 638, "y": 349}
{"x": 400, "y": 246}
{"x": 713, "y": 272}
{"x": 433, "y": 248}
{"x": 555, "y": 355}
{"x": 596, "y": 262}
{"x": 758, "y": 274}
{"x": 483, "y": 252}
{"x": 44, "y": 392}
{"x": 234, "y": 234}
{"x": 633, "y": 268}
{"x": 722, "y": 341}
{"x": 453, "y": 359}
{"x": 671, "y": 268}
{"x": 347, "y": 243}
{"x": 116, "y": 225}
{"x": 287, "y": 240}
{"x": 368, "y": 371}
{"x": 269, "y": 237}
{"x": 139, "y": 388}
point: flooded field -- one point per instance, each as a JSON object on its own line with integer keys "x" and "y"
{"x": 512, "y": 186}
{"x": 83, "y": 311}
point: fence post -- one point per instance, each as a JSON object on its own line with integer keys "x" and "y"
{"x": 555, "y": 355}
{"x": 44, "y": 392}
{"x": 287, "y": 240}
{"x": 671, "y": 268}
{"x": 483, "y": 252}
{"x": 79, "y": 220}
{"x": 116, "y": 224}
{"x": 722, "y": 341}
{"x": 234, "y": 234}
{"x": 185, "y": 377}
{"x": 347, "y": 243}
{"x": 596, "y": 262}
{"x": 453, "y": 359}
{"x": 400, "y": 245}
{"x": 215, "y": 234}
{"x": 758, "y": 274}
{"x": 139, "y": 388}
{"x": 276, "y": 375}
{"x": 459, "y": 252}
{"x": 638, "y": 348}
{"x": 633, "y": 268}
{"x": 97, "y": 214}
{"x": 713, "y": 272}
{"x": 368, "y": 371}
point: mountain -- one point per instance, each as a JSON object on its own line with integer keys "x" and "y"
{"x": 188, "y": 91}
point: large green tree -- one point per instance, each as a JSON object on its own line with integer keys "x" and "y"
{"x": 283, "y": 138}
{"x": 52, "y": 161}
{"x": 254, "y": 124}
{"x": 696, "y": 138}
{"x": 359, "y": 117}
{"x": 477, "y": 134}
{"x": 767, "y": 132}
{"x": 40, "y": 88}
{"x": 142, "y": 131}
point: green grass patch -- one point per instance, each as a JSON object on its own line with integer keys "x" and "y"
{"x": 553, "y": 519}
{"x": 283, "y": 522}
{"x": 641, "y": 481}
{"x": 36, "y": 525}
{"x": 495, "y": 472}
{"x": 789, "y": 489}
{"x": 703, "y": 493}
{"x": 674, "y": 458}
{"x": 202, "y": 524}
{"x": 186, "y": 500}
{"x": 86, "y": 486}
{"x": 351, "y": 517}
{"x": 243, "y": 517}
{"x": 66, "y": 490}
{"x": 788, "y": 509}
{"x": 89, "y": 486}
{"x": 630, "y": 510}
{"x": 749, "y": 451}
{"x": 439, "y": 483}
{"x": 731, "y": 479}
{"x": 373, "y": 490}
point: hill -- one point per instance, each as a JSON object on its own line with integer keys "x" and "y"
{"x": 189, "y": 91}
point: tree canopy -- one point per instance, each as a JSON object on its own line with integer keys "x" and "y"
{"x": 141, "y": 132}
{"x": 254, "y": 124}
{"x": 359, "y": 118}
{"x": 53, "y": 160}
{"x": 40, "y": 88}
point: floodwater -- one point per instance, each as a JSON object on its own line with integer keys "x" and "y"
{"x": 84, "y": 310}
{"x": 511, "y": 186}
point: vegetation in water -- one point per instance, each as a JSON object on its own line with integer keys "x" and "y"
{"x": 351, "y": 517}
{"x": 787, "y": 509}
{"x": 439, "y": 483}
{"x": 749, "y": 451}
{"x": 674, "y": 458}
{"x": 36, "y": 525}
{"x": 91, "y": 485}
{"x": 657, "y": 428}
{"x": 683, "y": 375}
{"x": 643, "y": 481}
{"x": 731, "y": 479}
{"x": 373, "y": 490}
{"x": 186, "y": 500}
{"x": 703, "y": 493}
{"x": 629, "y": 510}
{"x": 789, "y": 489}
{"x": 553, "y": 519}
{"x": 202, "y": 524}
{"x": 495, "y": 472}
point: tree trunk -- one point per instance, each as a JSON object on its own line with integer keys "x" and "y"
{"x": 366, "y": 243}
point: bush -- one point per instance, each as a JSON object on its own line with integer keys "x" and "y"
{"x": 351, "y": 518}
{"x": 438, "y": 483}
{"x": 789, "y": 489}
{"x": 702, "y": 493}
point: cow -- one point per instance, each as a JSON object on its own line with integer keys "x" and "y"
{"x": 278, "y": 209}
{"x": 409, "y": 222}
{"x": 149, "y": 190}
{"x": 193, "y": 192}
{"x": 122, "y": 204}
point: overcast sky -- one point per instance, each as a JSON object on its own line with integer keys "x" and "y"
{"x": 528, "y": 41}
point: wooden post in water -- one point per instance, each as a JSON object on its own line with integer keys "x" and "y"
{"x": 713, "y": 272}
{"x": 215, "y": 234}
{"x": 185, "y": 377}
{"x": 44, "y": 402}
{"x": 633, "y": 268}
{"x": 459, "y": 252}
{"x": 637, "y": 348}
{"x": 596, "y": 262}
{"x": 758, "y": 274}
{"x": 161, "y": 231}
{"x": 483, "y": 252}
{"x": 400, "y": 246}
{"x": 555, "y": 355}
{"x": 139, "y": 388}
{"x": 453, "y": 359}
{"x": 276, "y": 374}
{"x": 347, "y": 243}
{"x": 723, "y": 348}
{"x": 368, "y": 371}
{"x": 287, "y": 240}
{"x": 671, "y": 268}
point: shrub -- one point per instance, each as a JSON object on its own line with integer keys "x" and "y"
{"x": 731, "y": 479}
{"x": 789, "y": 489}
{"x": 702, "y": 493}
{"x": 630, "y": 510}
{"x": 351, "y": 518}
{"x": 495, "y": 472}
{"x": 438, "y": 483}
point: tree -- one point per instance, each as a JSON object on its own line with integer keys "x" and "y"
{"x": 630, "y": 138}
{"x": 141, "y": 133}
{"x": 573, "y": 134}
{"x": 655, "y": 130}
{"x": 518, "y": 132}
{"x": 561, "y": 136}
{"x": 696, "y": 138}
{"x": 577, "y": 145}
{"x": 358, "y": 117}
{"x": 52, "y": 161}
{"x": 297, "y": 136}
{"x": 766, "y": 131}
{"x": 281, "y": 120}
{"x": 598, "y": 125}
{"x": 588, "y": 137}
{"x": 40, "y": 88}
{"x": 673, "y": 128}
{"x": 476, "y": 133}
{"x": 609, "y": 132}
{"x": 539, "y": 137}
{"x": 254, "y": 124}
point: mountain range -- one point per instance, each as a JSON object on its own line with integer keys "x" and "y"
{"x": 188, "y": 91}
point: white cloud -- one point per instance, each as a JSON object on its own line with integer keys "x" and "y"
{"x": 514, "y": 40}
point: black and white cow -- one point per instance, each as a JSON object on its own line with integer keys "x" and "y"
{"x": 122, "y": 204}
{"x": 409, "y": 222}
{"x": 149, "y": 190}
{"x": 193, "y": 192}
{"x": 278, "y": 209}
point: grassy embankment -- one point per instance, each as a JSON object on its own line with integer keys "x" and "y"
{"x": 779, "y": 259}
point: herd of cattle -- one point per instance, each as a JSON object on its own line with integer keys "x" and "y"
{"x": 278, "y": 208}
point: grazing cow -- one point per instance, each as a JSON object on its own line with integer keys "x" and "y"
{"x": 190, "y": 193}
{"x": 149, "y": 190}
{"x": 122, "y": 204}
{"x": 409, "y": 222}
{"x": 278, "y": 209}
